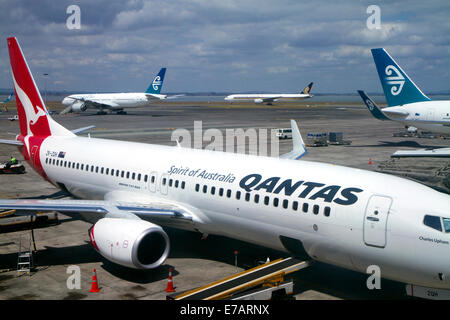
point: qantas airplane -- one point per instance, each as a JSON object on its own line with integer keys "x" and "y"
{"x": 115, "y": 101}
{"x": 407, "y": 104}
{"x": 272, "y": 97}
{"x": 342, "y": 216}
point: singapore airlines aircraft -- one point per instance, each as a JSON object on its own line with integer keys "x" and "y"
{"x": 115, "y": 101}
{"x": 273, "y": 97}
{"x": 342, "y": 216}
{"x": 407, "y": 104}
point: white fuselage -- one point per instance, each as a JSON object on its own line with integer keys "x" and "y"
{"x": 338, "y": 227}
{"x": 431, "y": 116}
{"x": 275, "y": 96}
{"x": 115, "y": 100}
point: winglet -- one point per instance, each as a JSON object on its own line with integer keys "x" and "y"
{"x": 298, "y": 146}
{"x": 373, "y": 108}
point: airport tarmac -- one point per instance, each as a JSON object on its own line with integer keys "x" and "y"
{"x": 196, "y": 262}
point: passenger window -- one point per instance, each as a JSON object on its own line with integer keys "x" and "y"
{"x": 285, "y": 203}
{"x": 247, "y": 196}
{"x": 122, "y": 174}
{"x": 433, "y": 222}
{"x": 139, "y": 177}
{"x": 295, "y": 205}
{"x": 78, "y": 166}
{"x": 446, "y": 224}
{"x": 107, "y": 171}
{"x": 82, "y": 166}
{"x": 205, "y": 189}
{"x": 128, "y": 175}
{"x": 133, "y": 176}
{"x": 153, "y": 179}
{"x": 256, "y": 198}
{"x": 101, "y": 170}
{"x": 96, "y": 169}
{"x": 238, "y": 195}
{"x": 326, "y": 211}
{"x": 221, "y": 192}
{"x": 266, "y": 200}
{"x": 183, "y": 184}
{"x": 316, "y": 209}
{"x": 213, "y": 190}
{"x": 197, "y": 187}
{"x": 176, "y": 183}
{"x": 305, "y": 207}
{"x": 170, "y": 182}
{"x": 145, "y": 178}
{"x": 228, "y": 193}
{"x": 275, "y": 202}
{"x": 165, "y": 181}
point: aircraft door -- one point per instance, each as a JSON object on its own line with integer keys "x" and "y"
{"x": 152, "y": 181}
{"x": 375, "y": 221}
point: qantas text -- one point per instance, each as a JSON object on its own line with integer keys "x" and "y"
{"x": 315, "y": 190}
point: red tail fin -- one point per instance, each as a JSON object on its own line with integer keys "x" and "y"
{"x": 30, "y": 107}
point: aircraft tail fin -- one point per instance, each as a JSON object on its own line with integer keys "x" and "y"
{"x": 157, "y": 83}
{"x": 34, "y": 119}
{"x": 398, "y": 88}
{"x": 373, "y": 108}
{"x": 308, "y": 88}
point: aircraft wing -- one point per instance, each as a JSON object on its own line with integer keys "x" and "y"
{"x": 270, "y": 99}
{"x": 432, "y": 153}
{"x": 298, "y": 146}
{"x": 395, "y": 112}
{"x": 165, "y": 212}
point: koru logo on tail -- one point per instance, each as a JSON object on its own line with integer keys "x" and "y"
{"x": 397, "y": 81}
{"x": 156, "y": 83}
{"x": 369, "y": 104}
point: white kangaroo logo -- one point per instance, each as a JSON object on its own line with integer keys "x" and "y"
{"x": 397, "y": 81}
{"x": 156, "y": 83}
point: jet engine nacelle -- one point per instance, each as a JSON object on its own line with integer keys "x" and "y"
{"x": 132, "y": 243}
{"x": 258, "y": 101}
{"x": 79, "y": 106}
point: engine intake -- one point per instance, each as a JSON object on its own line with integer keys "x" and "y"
{"x": 79, "y": 106}
{"x": 132, "y": 243}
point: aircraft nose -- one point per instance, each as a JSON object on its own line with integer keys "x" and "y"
{"x": 66, "y": 101}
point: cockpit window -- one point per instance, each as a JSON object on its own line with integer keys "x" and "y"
{"x": 446, "y": 224}
{"x": 434, "y": 222}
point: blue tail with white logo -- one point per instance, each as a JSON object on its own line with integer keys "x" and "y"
{"x": 398, "y": 88}
{"x": 373, "y": 108}
{"x": 156, "y": 86}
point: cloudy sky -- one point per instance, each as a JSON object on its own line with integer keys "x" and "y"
{"x": 226, "y": 45}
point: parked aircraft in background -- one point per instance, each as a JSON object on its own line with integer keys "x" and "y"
{"x": 343, "y": 216}
{"x": 116, "y": 101}
{"x": 407, "y": 104}
{"x": 5, "y": 101}
{"x": 272, "y": 97}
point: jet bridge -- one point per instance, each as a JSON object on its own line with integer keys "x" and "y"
{"x": 254, "y": 283}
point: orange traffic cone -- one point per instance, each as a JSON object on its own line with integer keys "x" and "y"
{"x": 170, "y": 282}
{"x": 94, "y": 286}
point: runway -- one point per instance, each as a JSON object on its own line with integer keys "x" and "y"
{"x": 196, "y": 261}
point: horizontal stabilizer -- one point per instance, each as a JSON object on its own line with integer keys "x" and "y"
{"x": 12, "y": 142}
{"x": 79, "y": 130}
